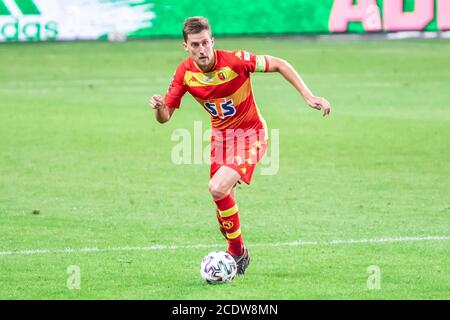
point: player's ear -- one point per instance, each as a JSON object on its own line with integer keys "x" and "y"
{"x": 212, "y": 41}
{"x": 185, "y": 46}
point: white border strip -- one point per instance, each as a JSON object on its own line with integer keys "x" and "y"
{"x": 210, "y": 246}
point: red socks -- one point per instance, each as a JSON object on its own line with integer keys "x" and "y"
{"x": 229, "y": 219}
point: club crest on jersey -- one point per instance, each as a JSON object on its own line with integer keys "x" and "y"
{"x": 220, "y": 108}
{"x": 221, "y": 76}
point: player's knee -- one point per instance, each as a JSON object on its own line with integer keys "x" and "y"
{"x": 216, "y": 190}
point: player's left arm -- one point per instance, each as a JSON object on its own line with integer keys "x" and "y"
{"x": 291, "y": 75}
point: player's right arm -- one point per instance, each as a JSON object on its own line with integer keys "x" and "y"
{"x": 162, "y": 112}
{"x": 165, "y": 107}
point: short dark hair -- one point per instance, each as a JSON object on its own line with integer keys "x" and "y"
{"x": 195, "y": 25}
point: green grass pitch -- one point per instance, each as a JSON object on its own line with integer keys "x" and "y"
{"x": 83, "y": 164}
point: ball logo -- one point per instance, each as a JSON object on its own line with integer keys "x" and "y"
{"x": 228, "y": 224}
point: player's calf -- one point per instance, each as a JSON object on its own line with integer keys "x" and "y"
{"x": 221, "y": 228}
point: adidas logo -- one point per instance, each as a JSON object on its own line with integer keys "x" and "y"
{"x": 25, "y": 7}
{"x": 23, "y": 20}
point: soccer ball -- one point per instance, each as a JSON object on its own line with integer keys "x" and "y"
{"x": 218, "y": 267}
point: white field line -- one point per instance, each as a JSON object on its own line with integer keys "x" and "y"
{"x": 64, "y": 82}
{"x": 211, "y": 246}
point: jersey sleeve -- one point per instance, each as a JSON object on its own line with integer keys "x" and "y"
{"x": 251, "y": 62}
{"x": 176, "y": 90}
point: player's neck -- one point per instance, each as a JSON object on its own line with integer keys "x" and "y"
{"x": 209, "y": 67}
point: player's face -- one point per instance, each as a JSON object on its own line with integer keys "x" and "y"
{"x": 200, "y": 46}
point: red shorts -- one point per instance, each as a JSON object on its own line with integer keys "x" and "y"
{"x": 241, "y": 153}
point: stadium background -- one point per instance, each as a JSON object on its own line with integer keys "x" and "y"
{"x": 91, "y": 205}
{"x": 34, "y": 20}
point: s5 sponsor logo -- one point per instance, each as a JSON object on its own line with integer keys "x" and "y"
{"x": 221, "y": 108}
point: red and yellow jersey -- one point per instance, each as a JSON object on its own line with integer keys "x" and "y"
{"x": 225, "y": 92}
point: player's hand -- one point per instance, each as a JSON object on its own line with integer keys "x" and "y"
{"x": 156, "y": 102}
{"x": 319, "y": 103}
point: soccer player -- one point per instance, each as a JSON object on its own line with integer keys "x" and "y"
{"x": 220, "y": 82}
